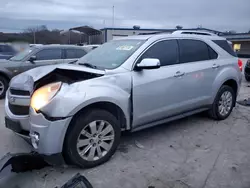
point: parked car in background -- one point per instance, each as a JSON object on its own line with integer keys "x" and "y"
{"x": 79, "y": 110}
{"x": 35, "y": 57}
{"x": 6, "y": 51}
{"x": 88, "y": 48}
{"x": 247, "y": 71}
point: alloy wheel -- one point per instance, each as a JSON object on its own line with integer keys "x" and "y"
{"x": 225, "y": 103}
{"x": 95, "y": 140}
{"x": 1, "y": 87}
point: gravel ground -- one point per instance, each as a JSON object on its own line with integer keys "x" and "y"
{"x": 191, "y": 152}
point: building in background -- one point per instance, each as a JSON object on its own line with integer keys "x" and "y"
{"x": 240, "y": 42}
{"x": 113, "y": 33}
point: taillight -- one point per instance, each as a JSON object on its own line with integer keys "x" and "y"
{"x": 240, "y": 64}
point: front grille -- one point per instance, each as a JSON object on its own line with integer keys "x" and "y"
{"x": 19, "y": 110}
{"x": 19, "y": 92}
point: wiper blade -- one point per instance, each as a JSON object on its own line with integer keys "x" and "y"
{"x": 88, "y": 65}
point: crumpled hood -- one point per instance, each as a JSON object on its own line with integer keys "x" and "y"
{"x": 26, "y": 80}
{"x": 39, "y": 72}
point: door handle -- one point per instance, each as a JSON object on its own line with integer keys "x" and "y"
{"x": 179, "y": 74}
{"x": 215, "y": 66}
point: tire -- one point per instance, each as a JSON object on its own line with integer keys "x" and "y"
{"x": 247, "y": 78}
{"x": 3, "y": 87}
{"x": 81, "y": 122}
{"x": 214, "y": 112}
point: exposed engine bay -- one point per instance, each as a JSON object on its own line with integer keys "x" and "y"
{"x": 66, "y": 76}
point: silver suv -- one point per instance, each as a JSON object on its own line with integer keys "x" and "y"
{"x": 79, "y": 110}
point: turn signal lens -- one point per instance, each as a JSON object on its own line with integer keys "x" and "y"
{"x": 240, "y": 64}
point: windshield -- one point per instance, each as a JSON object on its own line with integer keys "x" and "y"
{"x": 112, "y": 54}
{"x": 21, "y": 55}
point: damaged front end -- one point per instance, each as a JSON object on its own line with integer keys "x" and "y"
{"x": 18, "y": 100}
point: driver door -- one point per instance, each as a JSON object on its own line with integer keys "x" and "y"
{"x": 158, "y": 93}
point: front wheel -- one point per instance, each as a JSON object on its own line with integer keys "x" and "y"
{"x": 223, "y": 103}
{"x": 92, "y": 138}
{"x": 3, "y": 87}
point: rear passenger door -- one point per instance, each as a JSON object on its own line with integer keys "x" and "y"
{"x": 198, "y": 62}
{"x": 73, "y": 54}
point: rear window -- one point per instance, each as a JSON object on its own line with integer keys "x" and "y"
{"x": 224, "y": 44}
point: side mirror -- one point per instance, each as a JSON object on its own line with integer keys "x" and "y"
{"x": 32, "y": 59}
{"x": 149, "y": 63}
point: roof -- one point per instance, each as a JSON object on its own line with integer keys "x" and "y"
{"x": 168, "y": 35}
{"x": 87, "y": 30}
{"x": 165, "y": 30}
{"x": 56, "y": 46}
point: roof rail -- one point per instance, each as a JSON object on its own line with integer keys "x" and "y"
{"x": 194, "y": 32}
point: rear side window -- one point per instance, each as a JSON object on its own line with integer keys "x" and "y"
{"x": 212, "y": 53}
{"x": 74, "y": 53}
{"x": 165, "y": 51}
{"x": 49, "y": 54}
{"x": 80, "y": 53}
{"x": 224, "y": 45}
{"x": 193, "y": 50}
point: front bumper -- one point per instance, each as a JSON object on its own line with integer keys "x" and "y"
{"x": 47, "y": 136}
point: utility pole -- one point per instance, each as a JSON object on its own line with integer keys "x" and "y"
{"x": 34, "y": 36}
{"x": 69, "y": 36}
{"x": 113, "y": 20}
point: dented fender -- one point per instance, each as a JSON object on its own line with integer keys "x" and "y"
{"x": 72, "y": 98}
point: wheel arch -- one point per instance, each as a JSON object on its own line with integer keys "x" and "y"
{"x": 4, "y": 75}
{"x": 108, "y": 106}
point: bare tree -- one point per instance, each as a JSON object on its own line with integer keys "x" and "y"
{"x": 179, "y": 27}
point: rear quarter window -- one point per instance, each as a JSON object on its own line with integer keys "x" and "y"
{"x": 225, "y": 46}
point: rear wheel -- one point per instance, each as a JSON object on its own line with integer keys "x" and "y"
{"x": 3, "y": 87}
{"x": 247, "y": 78}
{"x": 92, "y": 138}
{"x": 223, "y": 103}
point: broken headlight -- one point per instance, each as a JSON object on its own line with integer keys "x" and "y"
{"x": 43, "y": 95}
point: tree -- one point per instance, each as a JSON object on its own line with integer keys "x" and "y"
{"x": 179, "y": 27}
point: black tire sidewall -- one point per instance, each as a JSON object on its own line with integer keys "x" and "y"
{"x": 2, "y": 79}
{"x": 70, "y": 150}
{"x": 216, "y": 102}
{"x": 247, "y": 78}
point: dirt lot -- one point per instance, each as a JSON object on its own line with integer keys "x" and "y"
{"x": 191, "y": 152}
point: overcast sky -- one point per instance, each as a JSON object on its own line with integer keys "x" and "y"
{"x": 16, "y": 15}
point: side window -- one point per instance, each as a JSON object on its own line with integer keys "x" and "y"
{"x": 70, "y": 54}
{"x": 7, "y": 49}
{"x": 80, "y": 53}
{"x": 49, "y": 54}
{"x": 193, "y": 50}
{"x": 166, "y": 51}
{"x": 225, "y": 46}
{"x": 212, "y": 53}
{"x": 74, "y": 53}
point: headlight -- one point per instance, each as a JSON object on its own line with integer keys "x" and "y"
{"x": 43, "y": 95}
